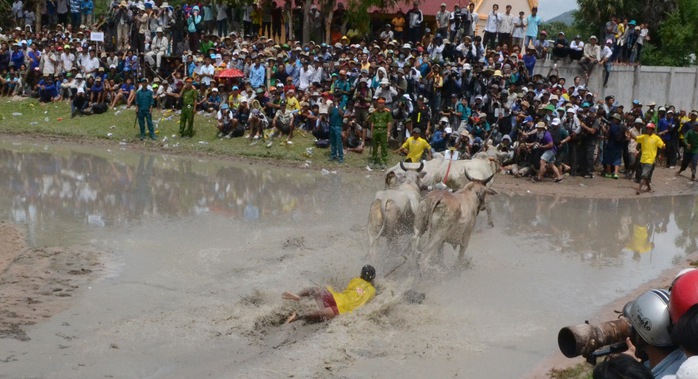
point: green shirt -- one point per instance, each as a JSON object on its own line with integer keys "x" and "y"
{"x": 144, "y": 99}
{"x": 189, "y": 96}
{"x": 206, "y": 46}
{"x": 692, "y": 139}
{"x": 380, "y": 119}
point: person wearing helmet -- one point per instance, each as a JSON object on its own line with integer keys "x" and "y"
{"x": 685, "y": 334}
{"x": 684, "y": 294}
{"x": 415, "y": 147}
{"x": 358, "y": 292}
{"x": 650, "y": 144}
{"x": 649, "y": 316}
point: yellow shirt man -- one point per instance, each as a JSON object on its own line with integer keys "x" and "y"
{"x": 650, "y": 144}
{"x": 357, "y": 293}
{"x": 293, "y": 104}
{"x": 415, "y": 147}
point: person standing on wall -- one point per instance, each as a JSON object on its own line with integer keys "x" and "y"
{"x": 532, "y": 24}
{"x": 491, "y": 28}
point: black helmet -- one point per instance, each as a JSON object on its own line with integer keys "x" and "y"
{"x": 368, "y": 273}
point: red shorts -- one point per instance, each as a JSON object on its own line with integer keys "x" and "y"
{"x": 328, "y": 301}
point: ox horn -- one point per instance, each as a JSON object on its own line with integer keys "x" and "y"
{"x": 421, "y": 166}
{"x": 488, "y": 179}
{"x": 402, "y": 166}
{"x": 470, "y": 178}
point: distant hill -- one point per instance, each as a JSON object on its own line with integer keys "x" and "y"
{"x": 566, "y": 18}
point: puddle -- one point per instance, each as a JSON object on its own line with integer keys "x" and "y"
{"x": 201, "y": 251}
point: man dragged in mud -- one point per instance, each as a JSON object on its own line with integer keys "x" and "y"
{"x": 358, "y": 292}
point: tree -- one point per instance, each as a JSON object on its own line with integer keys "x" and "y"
{"x": 672, "y": 24}
{"x": 677, "y": 37}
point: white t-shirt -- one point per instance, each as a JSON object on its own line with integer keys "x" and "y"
{"x": 207, "y": 70}
{"x": 493, "y": 20}
{"x": 519, "y": 28}
{"x": 90, "y": 65}
{"x": 68, "y": 60}
{"x": 49, "y": 63}
{"x": 506, "y": 24}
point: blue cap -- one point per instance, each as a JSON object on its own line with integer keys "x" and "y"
{"x": 148, "y": 6}
{"x": 236, "y": 88}
{"x": 528, "y": 119}
{"x": 224, "y": 106}
{"x": 636, "y": 101}
{"x": 213, "y": 56}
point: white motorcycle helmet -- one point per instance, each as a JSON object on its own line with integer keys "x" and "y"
{"x": 649, "y": 316}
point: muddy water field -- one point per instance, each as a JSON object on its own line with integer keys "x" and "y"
{"x": 119, "y": 263}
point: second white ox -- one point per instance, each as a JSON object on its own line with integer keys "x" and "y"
{"x": 392, "y": 211}
{"x": 449, "y": 217}
{"x": 440, "y": 172}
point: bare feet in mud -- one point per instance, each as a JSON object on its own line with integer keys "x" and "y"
{"x": 293, "y": 317}
{"x": 290, "y": 296}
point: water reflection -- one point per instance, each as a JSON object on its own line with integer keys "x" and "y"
{"x": 103, "y": 189}
{"x": 601, "y": 229}
{"x": 69, "y": 186}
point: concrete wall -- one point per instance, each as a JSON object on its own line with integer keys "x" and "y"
{"x": 677, "y": 86}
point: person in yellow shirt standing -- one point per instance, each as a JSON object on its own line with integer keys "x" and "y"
{"x": 358, "y": 292}
{"x": 415, "y": 147}
{"x": 398, "y": 25}
{"x": 649, "y": 143}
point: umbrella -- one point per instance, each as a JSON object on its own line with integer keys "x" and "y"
{"x": 230, "y": 73}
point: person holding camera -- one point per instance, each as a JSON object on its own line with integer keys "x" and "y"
{"x": 649, "y": 338}
{"x": 546, "y": 148}
{"x": 355, "y": 136}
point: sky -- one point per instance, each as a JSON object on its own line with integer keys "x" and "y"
{"x": 548, "y": 9}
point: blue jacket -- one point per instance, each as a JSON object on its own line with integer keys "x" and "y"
{"x": 438, "y": 143}
{"x": 257, "y": 76}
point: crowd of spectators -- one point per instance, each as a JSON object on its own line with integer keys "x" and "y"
{"x": 463, "y": 88}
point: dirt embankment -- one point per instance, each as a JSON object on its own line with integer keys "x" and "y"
{"x": 664, "y": 183}
{"x": 37, "y": 283}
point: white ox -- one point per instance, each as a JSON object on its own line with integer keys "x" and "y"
{"x": 392, "y": 211}
{"x": 449, "y": 217}
{"x": 444, "y": 174}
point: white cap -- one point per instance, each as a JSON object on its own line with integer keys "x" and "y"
{"x": 555, "y": 122}
{"x": 81, "y": 90}
{"x": 444, "y": 119}
{"x": 448, "y": 130}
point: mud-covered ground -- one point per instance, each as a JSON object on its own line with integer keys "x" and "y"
{"x": 37, "y": 283}
{"x": 201, "y": 248}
